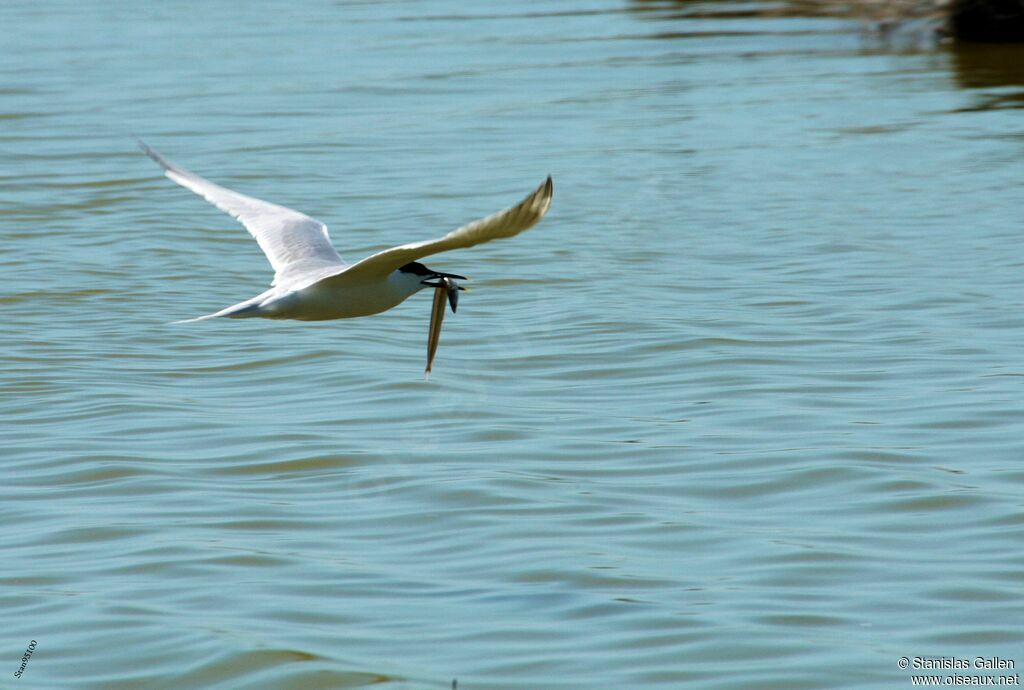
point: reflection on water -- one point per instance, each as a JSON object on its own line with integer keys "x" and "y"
{"x": 986, "y": 66}
{"x": 744, "y": 411}
{"x": 996, "y": 71}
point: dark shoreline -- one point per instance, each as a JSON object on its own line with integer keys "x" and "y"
{"x": 979, "y": 21}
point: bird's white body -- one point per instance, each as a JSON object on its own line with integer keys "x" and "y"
{"x": 311, "y": 280}
{"x": 320, "y": 302}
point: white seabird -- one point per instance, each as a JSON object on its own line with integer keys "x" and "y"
{"x": 311, "y": 280}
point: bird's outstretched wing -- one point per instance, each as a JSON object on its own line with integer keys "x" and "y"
{"x": 296, "y": 245}
{"x": 507, "y": 223}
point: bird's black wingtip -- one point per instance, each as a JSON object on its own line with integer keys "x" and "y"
{"x": 151, "y": 153}
{"x": 141, "y": 144}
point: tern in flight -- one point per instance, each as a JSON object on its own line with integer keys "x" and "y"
{"x": 311, "y": 280}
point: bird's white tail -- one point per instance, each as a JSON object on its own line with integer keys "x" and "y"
{"x": 198, "y": 318}
{"x": 243, "y": 310}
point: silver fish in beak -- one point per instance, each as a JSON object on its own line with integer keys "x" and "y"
{"x": 444, "y": 287}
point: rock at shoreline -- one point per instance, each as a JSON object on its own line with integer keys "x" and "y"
{"x": 989, "y": 21}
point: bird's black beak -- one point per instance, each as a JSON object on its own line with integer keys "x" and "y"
{"x": 449, "y": 275}
{"x": 447, "y": 281}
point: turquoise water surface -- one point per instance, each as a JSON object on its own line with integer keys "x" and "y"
{"x": 744, "y": 411}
